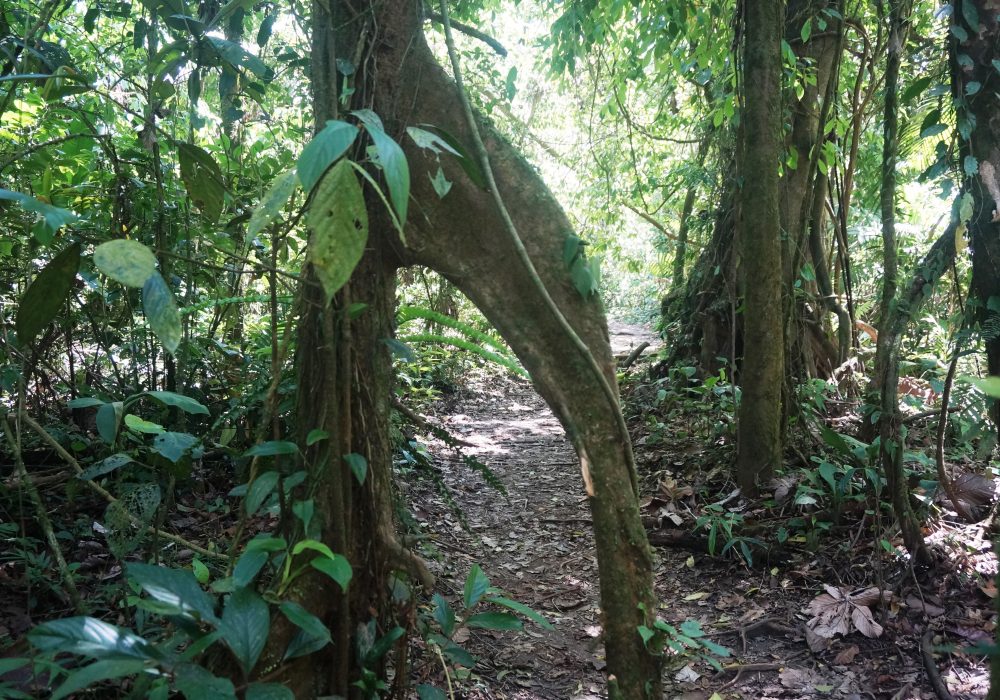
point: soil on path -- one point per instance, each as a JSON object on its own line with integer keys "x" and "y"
{"x": 537, "y": 545}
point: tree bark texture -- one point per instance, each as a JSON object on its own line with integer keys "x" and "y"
{"x": 975, "y": 85}
{"x": 760, "y": 412}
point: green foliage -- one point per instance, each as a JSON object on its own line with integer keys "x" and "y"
{"x": 686, "y": 641}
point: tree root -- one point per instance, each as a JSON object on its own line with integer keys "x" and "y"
{"x": 933, "y": 674}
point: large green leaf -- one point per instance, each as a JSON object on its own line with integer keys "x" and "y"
{"x": 338, "y": 221}
{"x": 272, "y": 448}
{"x": 109, "y": 419}
{"x": 54, "y": 217}
{"x": 494, "y": 621}
{"x": 47, "y": 293}
{"x": 268, "y": 691}
{"x": 125, "y": 261}
{"x": 246, "y": 621}
{"x": 337, "y": 568}
{"x": 248, "y": 566}
{"x": 202, "y": 179}
{"x": 272, "y": 203}
{"x": 174, "y": 446}
{"x": 988, "y": 385}
{"x": 326, "y": 147}
{"x": 476, "y": 584}
{"x": 161, "y": 311}
{"x": 106, "y": 466}
{"x": 444, "y": 615}
{"x": 305, "y": 620}
{"x": 98, "y": 671}
{"x": 239, "y": 57}
{"x": 522, "y": 609}
{"x": 196, "y": 683}
{"x": 89, "y": 636}
{"x": 177, "y": 587}
{"x": 392, "y": 160}
{"x": 259, "y": 490}
{"x": 185, "y": 403}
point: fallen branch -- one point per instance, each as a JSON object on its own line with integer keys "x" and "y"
{"x": 933, "y": 674}
{"x": 633, "y": 356}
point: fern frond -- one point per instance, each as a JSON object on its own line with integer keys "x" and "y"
{"x": 405, "y": 314}
{"x": 503, "y": 360}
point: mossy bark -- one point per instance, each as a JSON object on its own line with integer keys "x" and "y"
{"x": 760, "y": 412}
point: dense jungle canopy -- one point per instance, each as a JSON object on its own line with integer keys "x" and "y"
{"x": 299, "y": 293}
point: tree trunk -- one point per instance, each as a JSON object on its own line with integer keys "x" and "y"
{"x": 760, "y": 412}
{"x": 344, "y": 368}
{"x": 893, "y": 316}
{"x": 974, "y": 87}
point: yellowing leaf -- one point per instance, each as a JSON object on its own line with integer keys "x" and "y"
{"x": 700, "y": 595}
{"x": 338, "y": 221}
{"x": 125, "y": 261}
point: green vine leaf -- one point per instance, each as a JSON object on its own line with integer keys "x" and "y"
{"x": 338, "y": 221}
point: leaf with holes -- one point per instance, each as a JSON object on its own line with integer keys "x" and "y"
{"x": 339, "y": 224}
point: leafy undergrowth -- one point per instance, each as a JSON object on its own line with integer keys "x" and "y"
{"x": 811, "y": 582}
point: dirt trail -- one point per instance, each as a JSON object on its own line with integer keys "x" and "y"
{"x": 537, "y": 545}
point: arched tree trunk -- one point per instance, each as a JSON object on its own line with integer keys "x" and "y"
{"x": 344, "y": 367}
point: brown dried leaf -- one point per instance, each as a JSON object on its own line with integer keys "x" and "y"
{"x": 865, "y": 623}
{"x": 868, "y": 596}
{"x": 815, "y": 642}
{"x": 846, "y": 656}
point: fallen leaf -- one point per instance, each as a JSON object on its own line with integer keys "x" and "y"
{"x": 846, "y": 656}
{"x": 700, "y": 595}
{"x": 687, "y": 675}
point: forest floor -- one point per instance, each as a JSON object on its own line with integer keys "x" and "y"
{"x": 537, "y": 545}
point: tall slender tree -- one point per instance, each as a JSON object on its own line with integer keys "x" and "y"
{"x": 760, "y": 433}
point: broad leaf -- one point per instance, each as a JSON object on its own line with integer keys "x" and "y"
{"x": 429, "y": 692}
{"x": 392, "y": 160}
{"x": 109, "y": 419}
{"x": 196, "y": 683}
{"x": 125, "y": 261}
{"x": 476, "y": 584}
{"x": 522, "y": 609}
{"x": 337, "y": 568}
{"x": 494, "y": 621}
{"x": 89, "y": 636}
{"x": 259, "y": 490}
{"x": 106, "y": 466}
{"x": 268, "y": 691}
{"x": 185, "y": 403}
{"x": 139, "y": 425}
{"x": 305, "y": 620}
{"x": 175, "y": 446}
{"x": 444, "y": 615}
{"x": 358, "y": 465}
{"x": 246, "y": 621}
{"x": 202, "y": 179}
{"x": 338, "y": 222}
{"x": 236, "y": 55}
{"x": 272, "y": 448}
{"x": 988, "y": 385}
{"x": 47, "y": 293}
{"x": 161, "y": 311}
{"x": 98, "y": 671}
{"x": 177, "y": 587}
{"x": 272, "y": 203}
{"x": 320, "y": 153}
{"x": 54, "y": 217}
{"x": 248, "y": 566}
